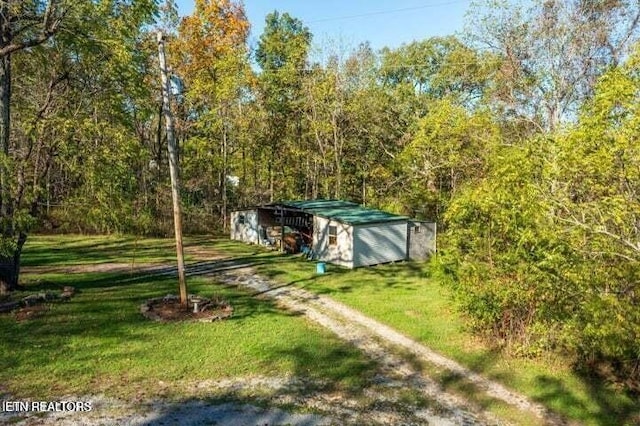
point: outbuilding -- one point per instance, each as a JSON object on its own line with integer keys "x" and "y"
{"x": 335, "y": 231}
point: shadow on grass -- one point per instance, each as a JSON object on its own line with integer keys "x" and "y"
{"x": 341, "y": 366}
{"x": 610, "y": 409}
{"x": 109, "y": 310}
{"x": 102, "y": 326}
{"x": 335, "y": 369}
{"x": 89, "y": 280}
{"x": 78, "y": 249}
{"x": 298, "y": 271}
{"x": 44, "y": 251}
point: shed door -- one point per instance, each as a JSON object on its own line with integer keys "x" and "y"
{"x": 380, "y": 243}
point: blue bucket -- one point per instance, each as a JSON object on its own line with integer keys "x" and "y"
{"x": 320, "y": 268}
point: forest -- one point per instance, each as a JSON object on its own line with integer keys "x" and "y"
{"x": 519, "y": 136}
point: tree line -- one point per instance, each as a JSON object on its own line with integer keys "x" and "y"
{"x": 519, "y": 136}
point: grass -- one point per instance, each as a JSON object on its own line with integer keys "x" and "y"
{"x": 407, "y": 297}
{"x": 98, "y": 342}
{"x": 56, "y": 250}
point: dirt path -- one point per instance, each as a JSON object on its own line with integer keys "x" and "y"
{"x": 199, "y": 267}
{"x": 378, "y": 340}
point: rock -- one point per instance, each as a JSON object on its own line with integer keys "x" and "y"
{"x": 31, "y": 300}
{"x": 67, "y": 292}
{"x": 170, "y": 298}
{"x": 9, "y": 306}
{"x": 155, "y": 301}
{"x": 47, "y": 295}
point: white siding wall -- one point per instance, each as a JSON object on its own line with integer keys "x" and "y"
{"x": 342, "y": 252}
{"x": 422, "y": 239}
{"x": 379, "y": 243}
{"x": 247, "y": 232}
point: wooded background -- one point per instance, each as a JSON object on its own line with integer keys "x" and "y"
{"x": 520, "y": 137}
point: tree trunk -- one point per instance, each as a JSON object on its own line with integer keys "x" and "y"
{"x": 271, "y": 188}
{"x": 9, "y": 263}
{"x": 5, "y": 125}
{"x": 10, "y": 267}
{"x": 8, "y": 274}
{"x": 223, "y": 189}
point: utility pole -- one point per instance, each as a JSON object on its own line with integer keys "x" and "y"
{"x": 173, "y": 168}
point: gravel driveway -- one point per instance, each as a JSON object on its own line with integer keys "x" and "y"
{"x": 383, "y": 401}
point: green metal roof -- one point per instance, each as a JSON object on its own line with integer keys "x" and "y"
{"x": 344, "y": 211}
{"x": 319, "y": 204}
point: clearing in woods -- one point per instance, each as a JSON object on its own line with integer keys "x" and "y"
{"x": 399, "y": 380}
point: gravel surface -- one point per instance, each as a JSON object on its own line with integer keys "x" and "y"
{"x": 294, "y": 401}
{"x": 376, "y": 340}
{"x": 107, "y": 411}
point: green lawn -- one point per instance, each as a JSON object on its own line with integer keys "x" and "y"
{"x": 78, "y": 250}
{"x": 98, "y": 342}
{"x": 407, "y": 297}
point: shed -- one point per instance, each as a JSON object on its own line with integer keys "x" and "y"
{"x": 335, "y": 231}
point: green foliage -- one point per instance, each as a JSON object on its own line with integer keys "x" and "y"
{"x": 518, "y": 137}
{"x": 598, "y": 212}
{"x": 451, "y": 148}
{"x": 282, "y": 56}
{"x": 544, "y": 250}
{"x": 502, "y": 250}
{"x": 7, "y": 247}
{"x": 437, "y": 67}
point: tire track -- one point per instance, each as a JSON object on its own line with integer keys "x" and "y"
{"x": 395, "y": 372}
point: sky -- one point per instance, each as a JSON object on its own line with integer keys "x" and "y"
{"x": 347, "y": 23}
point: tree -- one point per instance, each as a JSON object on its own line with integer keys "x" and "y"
{"x": 211, "y": 55}
{"x": 594, "y": 188}
{"x": 437, "y": 67}
{"x": 33, "y": 29}
{"x": 325, "y": 102}
{"x": 282, "y": 56}
{"x": 544, "y": 249}
{"x": 22, "y": 25}
{"x": 552, "y": 53}
{"x": 450, "y": 148}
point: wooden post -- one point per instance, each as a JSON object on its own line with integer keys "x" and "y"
{"x": 173, "y": 168}
{"x": 282, "y": 231}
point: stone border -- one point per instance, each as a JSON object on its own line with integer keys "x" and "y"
{"x": 35, "y": 299}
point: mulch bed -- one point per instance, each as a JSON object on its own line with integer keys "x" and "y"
{"x": 169, "y": 309}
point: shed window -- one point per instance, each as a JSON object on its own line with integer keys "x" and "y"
{"x": 241, "y": 219}
{"x": 417, "y": 229}
{"x": 333, "y": 235}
